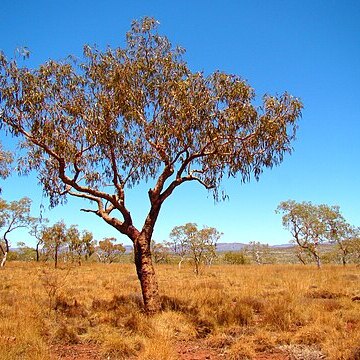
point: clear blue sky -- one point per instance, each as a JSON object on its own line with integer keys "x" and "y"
{"x": 309, "y": 48}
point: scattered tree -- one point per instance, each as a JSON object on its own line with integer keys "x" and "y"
{"x": 25, "y": 253}
{"x": 354, "y": 247}
{"x": 94, "y": 128}
{"x": 259, "y": 253}
{"x": 74, "y": 243}
{"x": 311, "y": 225}
{"x": 108, "y": 251}
{"x": 89, "y": 244}
{"x": 13, "y": 216}
{"x": 36, "y": 231}
{"x": 160, "y": 252}
{"x": 54, "y": 238}
{"x": 199, "y": 245}
{"x": 179, "y": 242}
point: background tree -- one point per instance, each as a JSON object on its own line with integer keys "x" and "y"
{"x": 353, "y": 245}
{"x": 94, "y": 128}
{"x": 339, "y": 231}
{"x": 37, "y": 229}
{"x": 305, "y": 224}
{"x": 346, "y": 241}
{"x": 74, "y": 243}
{"x": 108, "y": 251}
{"x": 13, "y": 216}
{"x": 25, "y": 253}
{"x": 179, "y": 241}
{"x": 199, "y": 245}
{"x": 260, "y": 253}
{"x": 160, "y": 252}
{"x": 311, "y": 225}
{"x": 89, "y": 243}
{"x": 54, "y": 238}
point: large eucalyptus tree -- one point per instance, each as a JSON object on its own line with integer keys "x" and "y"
{"x": 95, "y": 127}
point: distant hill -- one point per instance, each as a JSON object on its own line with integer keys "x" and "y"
{"x": 283, "y": 246}
{"x": 222, "y": 247}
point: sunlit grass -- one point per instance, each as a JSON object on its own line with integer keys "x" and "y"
{"x": 235, "y": 309}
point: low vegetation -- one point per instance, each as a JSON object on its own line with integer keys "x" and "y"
{"x": 234, "y": 312}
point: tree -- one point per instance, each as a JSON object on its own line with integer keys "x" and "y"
{"x": 89, "y": 243}
{"x": 160, "y": 252}
{"x": 200, "y": 245}
{"x": 260, "y": 253}
{"x": 311, "y": 225}
{"x": 54, "y": 237}
{"x": 25, "y": 252}
{"x": 344, "y": 236}
{"x": 354, "y": 247}
{"x": 37, "y": 230}
{"x": 13, "y": 216}
{"x": 75, "y": 243}
{"x": 93, "y": 129}
{"x": 108, "y": 251}
{"x": 179, "y": 241}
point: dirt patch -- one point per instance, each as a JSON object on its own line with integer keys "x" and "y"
{"x": 75, "y": 352}
{"x": 193, "y": 350}
{"x": 277, "y": 355}
{"x": 197, "y": 350}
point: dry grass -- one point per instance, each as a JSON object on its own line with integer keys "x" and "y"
{"x": 239, "y": 311}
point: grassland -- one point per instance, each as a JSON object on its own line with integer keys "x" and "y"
{"x": 228, "y": 312}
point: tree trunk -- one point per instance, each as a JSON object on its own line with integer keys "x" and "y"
{"x": 146, "y": 274}
{"x": 4, "y": 252}
{"x": 318, "y": 261}
{"x": 56, "y": 257}
{"x": 37, "y": 252}
{"x": 3, "y": 261}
